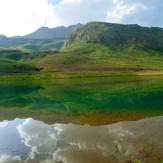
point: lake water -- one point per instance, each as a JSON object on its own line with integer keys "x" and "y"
{"x": 109, "y": 119}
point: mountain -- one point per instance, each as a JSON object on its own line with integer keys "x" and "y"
{"x": 117, "y": 36}
{"x": 43, "y": 39}
{"x": 3, "y": 37}
{"x": 31, "y": 43}
{"x": 104, "y": 49}
{"x": 49, "y": 33}
{"x": 94, "y": 49}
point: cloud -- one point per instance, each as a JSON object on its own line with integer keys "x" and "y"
{"x": 69, "y": 142}
{"x": 142, "y": 12}
{"x": 22, "y": 17}
{"x": 8, "y": 158}
{"x": 81, "y": 11}
{"x": 40, "y": 137}
{"x": 3, "y": 124}
{"x": 19, "y": 17}
{"x": 146, "y": 13}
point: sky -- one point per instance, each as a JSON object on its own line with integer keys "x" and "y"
{"x": 20, "y": 17}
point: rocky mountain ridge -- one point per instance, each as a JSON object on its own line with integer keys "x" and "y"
{"x": 116, "y": 36}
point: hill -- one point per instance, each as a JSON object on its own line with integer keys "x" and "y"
{"x": 102, "y": 49}
{"x": 11, "y": 63}
{"x": 3, "y": 37}
{"x": 43, "y": 39}
{"x": 13, "y": 54}
{"x": 97, "y": 49}
{"x": 9, "y": 67}
{"x": 51, "y": 33}
{"x": 95, "y": 59}
{"x": 31, "y": 44}
{"x": 117, "y": 36}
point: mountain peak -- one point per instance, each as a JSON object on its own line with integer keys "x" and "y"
{"x": 43, "y": 28}
{"x": 49, "y": 33}
{"x": 3, "y": 37}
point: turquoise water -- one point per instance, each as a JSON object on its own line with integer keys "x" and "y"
{"x": 82, "y": 120}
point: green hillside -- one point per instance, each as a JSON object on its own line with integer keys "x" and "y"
{"x": 117, "y": 36}
{"x": 95, "y": 59}
{"x": 31, "y": 44}
{"x": 43, "y": 39}
{"x": 95, "y": 49}
{"x": 36, "y": 57}
{"x": 13, "y": 54}
{"x": 11, "y": 64}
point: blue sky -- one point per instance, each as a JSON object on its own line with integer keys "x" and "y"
{"x": 54, "y": 2}
{"x": 20, "y": 17}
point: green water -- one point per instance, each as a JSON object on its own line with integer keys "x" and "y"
{"x": 94, "y": 101}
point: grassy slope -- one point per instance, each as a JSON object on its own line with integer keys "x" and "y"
{"x": 53, "y": 44}
{"x": 94, "y": 59}
{"x": 37, "y": 56}
{"x": 12, "y": 54}
{"x": 81, "y": 60}
{"x": 11, "y": 66}
{"x": 32, "y": 44}
{"x": 95, "y": 49}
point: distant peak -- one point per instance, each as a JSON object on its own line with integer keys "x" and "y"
{"x": 43, "y": 28}
{"x": 79, "y": 24}
{"x": 56, "y": 32}
{"x": 3, "y": 36}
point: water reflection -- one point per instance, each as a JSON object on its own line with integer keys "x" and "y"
{"x": 29, "y": 140}
{"x": 94, "y": 101}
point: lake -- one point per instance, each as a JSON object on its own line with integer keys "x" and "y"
{"x": 105, "y": 119}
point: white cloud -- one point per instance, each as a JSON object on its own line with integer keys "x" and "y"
{"x": 8, "y": 158}
{"x": 81, "y": 11}
{"x": 115, "y": 1}
{"x": 146, "y": 13}
{"x": 119, "y": 11}
{"x": 3, "y": 124}
{"x": 56, "y": 157}
{"x": 64, "y": 142}
{"x": 115, "y": 11}
{"x": 19, "y": 17}
{"x": 40, "y": 137}
{"x": 22, "y": 17}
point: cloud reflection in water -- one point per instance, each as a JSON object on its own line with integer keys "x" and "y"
{"x": 45, "y": 143}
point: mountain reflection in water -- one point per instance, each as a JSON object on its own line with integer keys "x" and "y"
{"x": 94, "y": 101}
{"x": 29, "y": 140}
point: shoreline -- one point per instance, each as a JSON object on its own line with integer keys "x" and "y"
{"x": 69, "y": 75}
